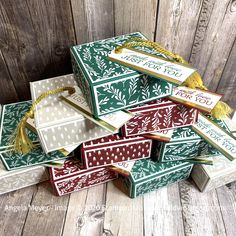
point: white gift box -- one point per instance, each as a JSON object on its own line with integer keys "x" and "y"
{"x": 59, "y": 125}
{"x": 17, "y": 179}
{"x": 223, "y": 171}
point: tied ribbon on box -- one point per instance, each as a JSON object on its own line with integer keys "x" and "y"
{"x": 21, "y": 141}
{"x": 173, "y": 68}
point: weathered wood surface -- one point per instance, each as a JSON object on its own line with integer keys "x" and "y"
{"x": 35, "y": 36}
{"x": 104, "y": 210}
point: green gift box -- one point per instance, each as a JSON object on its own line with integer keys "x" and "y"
{"x": 147, "y": 175}
{"x": 184, "y": 144}
{"x": 108, "y": 86}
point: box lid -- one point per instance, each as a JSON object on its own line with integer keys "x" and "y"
{"x": 147, "y": 169}
{"x": 10, "y": 118}
{"x": 111, "y": 140}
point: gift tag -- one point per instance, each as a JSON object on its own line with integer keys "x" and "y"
{"x": 111, "y": 122}
{"x": 163, "y": 135}
{"x": 156, "y": 66}
{"x": 123, "y": 168}
{"x": 216, "y": 136}
{"x": 200, "y": 99}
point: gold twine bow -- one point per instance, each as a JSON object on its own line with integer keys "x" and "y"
{"x": 21, "y": 141}
{"x": 221, "y": 109}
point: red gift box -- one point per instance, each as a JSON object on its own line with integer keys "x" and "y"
{"x": 158, "y": 115}
{"x": 114, "y": 149}
{"x": 71, "y": 177}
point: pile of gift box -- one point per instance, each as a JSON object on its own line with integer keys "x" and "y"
{"x": 119, "y": 124}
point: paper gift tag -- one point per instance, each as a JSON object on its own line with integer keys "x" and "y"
{"x": 163, "y": 135}
{"x": 123, "y": 168}
{"x": 153, "y": 65}
{"x": 111, "y": 122}
{"x": 200, "y": 99}
{"x": 216, "y": 136}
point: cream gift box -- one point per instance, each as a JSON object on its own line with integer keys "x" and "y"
{"x": 223, "y": 171}
{"x": 59, "y": 125}
{"x": 17, "y": 179}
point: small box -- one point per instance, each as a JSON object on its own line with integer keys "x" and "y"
{"x": 72, "y": 177}
{"x": 108, "y": 86}
{"x": 17, "y": 179}
{"x": 113, "y": 149}
{"x": 223, "y": 171}
{"x": 158, "y": 115}
{"x": 59, "y": 125}
{"x": 10, "y": 118}
{"x": 147, "y": 175}
{"x": 184, "y": 144}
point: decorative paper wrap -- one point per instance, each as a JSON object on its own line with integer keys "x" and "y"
{"x": 72, "y": 178}
{"x": 222, "y": 172}
{"x": 200, "y": 99}
{"x": 221, "y": 139}
{"x": 147, "y": 175}
{"x": 10, "y": 117}
{"x": 18, "y": 179}
{"x": 184, "y": 144}
{"x": 59, "y": 125}
{"x": 108, "y": 86}
{"x": 113, "y": 149}
{"x": 158, "y": 115}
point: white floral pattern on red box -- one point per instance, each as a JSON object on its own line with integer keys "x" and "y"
{"x": 158, "y": 115}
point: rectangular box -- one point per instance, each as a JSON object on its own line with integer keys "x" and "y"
{"x": 72, "y": 178}
{"x": 108, "y": 86}
{"x": 147, "y": 175}
{"x": 184, "y": 144}
{"x": 223, "y": 171}
{"x": 113, "y": 149}
{"x": 158, "y": 115}
{"x": 58, "y": 124}
{"x": 11, "y": 116}
{"x": 17, "y": 179}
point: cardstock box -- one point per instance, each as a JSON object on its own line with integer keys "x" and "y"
{"x": 58, "y": 124}
{"x": 147, "y": 175}
{"x": 17, "y": 179}
{"x": 113, "y": 149}
{"x": 161, "y": 114}
{"x": 108, "y": 86}
{"x": 11, "y": 116}
{"x": 223, "y": 171}
{"x": 72, "y": 177}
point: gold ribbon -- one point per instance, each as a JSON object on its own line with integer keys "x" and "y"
{"x": 221, "y": 109}
{"x": 21, "y": 141}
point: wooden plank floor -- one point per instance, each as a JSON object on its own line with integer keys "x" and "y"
{"x": 179, "y": 209}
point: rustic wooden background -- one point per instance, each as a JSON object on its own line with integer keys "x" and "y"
{"x": 35, "y": 36}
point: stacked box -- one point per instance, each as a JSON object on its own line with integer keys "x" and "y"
{"x": 72, "y": 177}
{"x": 158, "y": 115}
{"x": 108, "y": 86}
{"x": 59, "y": 125}
{"x": 184, "y": 144}
{"x": 114, "y": 149}
{"x": 17, "y": 179}
{"x": 147, "y": 175}
{"x": 222, "y": 172}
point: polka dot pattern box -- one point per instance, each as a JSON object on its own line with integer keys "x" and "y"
{"x": 72, "y": 177}
{"x": 158, "y": 115}
{"x": 58, "y": 124}
{"x": 114, "y": 149}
